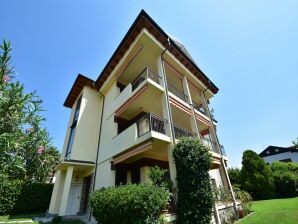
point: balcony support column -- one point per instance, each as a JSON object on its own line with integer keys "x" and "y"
{"x": 215, "y": 139}
{"x": 166, "y": 108}
{"x": 193, "y": 122}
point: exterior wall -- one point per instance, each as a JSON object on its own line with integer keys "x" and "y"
{"x": 215, "y": 174}
{"x": 277, "y": 157}
{"x": 87, "y": 131}
{"x": 105, "y": 175}
{"x": 68, "y": 130}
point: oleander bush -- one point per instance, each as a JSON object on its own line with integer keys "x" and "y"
{"x": 16, "y": 196}
{"x": 129, "y": 204}
{"x": 195, "y": 194}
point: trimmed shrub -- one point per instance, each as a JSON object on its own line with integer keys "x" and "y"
{"x": 35, "y": 197}
{"x": 19, "y": 197}
{"x": 195, "y": 194}
{"x": 10, "y": 192}
{"x": 256, "y": 176}
{"x": 129, "y": 204}
{"x": 160, "y": 177}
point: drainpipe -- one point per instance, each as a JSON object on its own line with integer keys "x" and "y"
{"x": 222, "y": 160}
{"x": 98, "y": 145}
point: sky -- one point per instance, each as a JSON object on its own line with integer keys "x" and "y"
{"x": 249, "y": 49}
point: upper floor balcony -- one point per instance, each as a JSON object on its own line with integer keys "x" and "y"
{"x": 146, "y": 126}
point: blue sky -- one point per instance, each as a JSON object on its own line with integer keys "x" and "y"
{"x": 248, "y": 49}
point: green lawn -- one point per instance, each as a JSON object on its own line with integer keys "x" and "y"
{"x": 28, "y": 217}
{"x": 279, "y": 211}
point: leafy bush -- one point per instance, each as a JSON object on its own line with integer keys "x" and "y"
{"x": 10, "y": 192}
{"x": 256, "y": 176}
{"x": 195, "y": 195}
{"x": 246, "y": 201}
{"x": 160, "y": 177}
{"x": 285, "y": 178}
{"x": 223, "y": 194}
{"x": 19, "y": 197}
{"x": 129, "y": 204}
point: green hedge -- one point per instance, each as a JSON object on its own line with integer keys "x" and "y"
{"x": 195, "y": 194}
{"x": 19, "y": 197}
{"x": 129, "y": 204}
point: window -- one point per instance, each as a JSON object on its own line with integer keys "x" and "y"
{"x": 73, "y": 128}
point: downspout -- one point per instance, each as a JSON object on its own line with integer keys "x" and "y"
{"x": 222, "y": 160}
{"x": 167, "y": 92}
{"x": 98, "y": 145}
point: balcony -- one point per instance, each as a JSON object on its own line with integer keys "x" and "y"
{"x": 145, "y": 74}
{"x": 202, "y": 110}
{"x": 182, "y": 132}
{"x": 151, "y": 122}
{"x": 177, "y": 92}
{"x": 147, "y": 84}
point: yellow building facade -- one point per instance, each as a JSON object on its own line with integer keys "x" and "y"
{"x": 149, "y": 94}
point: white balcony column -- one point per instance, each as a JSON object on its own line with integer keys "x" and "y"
{"x": 193, "y": 122}
{"x": 65, "y": 192}
{"x": 215, "y": 139}
{"x": 169, "y": 127}
{"x": 53, "y": 209}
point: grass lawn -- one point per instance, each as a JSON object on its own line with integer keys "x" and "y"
{"x": 279, "y": 211}
{"x": 28, "y": 217}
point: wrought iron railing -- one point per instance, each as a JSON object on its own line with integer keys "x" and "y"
{"x": 151, "y": 122}
{"x": 209, "y": 143}
{"x": 146, "y": 73}
{"x": 180, "y": 131}
{"x": 177, "y": 92}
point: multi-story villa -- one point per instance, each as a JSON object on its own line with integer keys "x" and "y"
{"x": 150, "y": 93}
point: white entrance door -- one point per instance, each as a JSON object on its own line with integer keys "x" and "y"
{"x": 73, "y": 199}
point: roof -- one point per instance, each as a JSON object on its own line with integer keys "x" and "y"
{"x": 274, "y": 150}
{"x": 76, "y": 89}
{"x": 173, "y": 45}
{"x": 143, "y": 20}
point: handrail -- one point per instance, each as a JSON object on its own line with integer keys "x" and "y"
{"x": 182, "y": 132}
{"x": 146, "y": 73}
{"x": 209, "y": 143}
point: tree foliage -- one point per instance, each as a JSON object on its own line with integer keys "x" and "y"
{"x": 26, "y": 151}
{"x": 195, "y": 195}
{"x": 285, "y": 178}
{"x": 256, "y": 176}
{"x": 234, "y": 174}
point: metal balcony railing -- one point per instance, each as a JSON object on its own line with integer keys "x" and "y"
{"x": 182, "y": 132}
{"x": 151, "y": 122}
{"x": 177, "y": 92}
{"x": 209, "y": 143}
{"x": 202, "y": 110}
{"x": 146, "y": 73}
{"x": 199, "y": 108}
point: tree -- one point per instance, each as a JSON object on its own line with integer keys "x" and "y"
{"x": 285, "y": 178}
{"x": 295, "y": 142}
{"x": 256, "y": 176}
{"x": 195, "y": 194}
{"x": 234, "y": 174}
{"x": 26, "y": 151}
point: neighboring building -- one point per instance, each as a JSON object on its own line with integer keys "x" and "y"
{"x": 283, "y": 154}
{"x": 149, "y": 94}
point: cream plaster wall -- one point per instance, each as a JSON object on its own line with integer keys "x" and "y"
{"x": 87, "y": 131}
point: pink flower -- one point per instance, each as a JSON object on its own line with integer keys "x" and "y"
{"x": 6, "y": 78}
{"x": 40, "y": 149}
